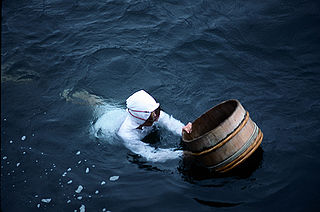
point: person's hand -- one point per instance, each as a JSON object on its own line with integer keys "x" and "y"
{"x": 187, "y": 128}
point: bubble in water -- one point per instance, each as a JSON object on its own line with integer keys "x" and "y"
{"x": 79, "y": 189}
{"x": 46, "y": 200}
{"x": 82, "y": 208}
{"x": 114, "y": 178}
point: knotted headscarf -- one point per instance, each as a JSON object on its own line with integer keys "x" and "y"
{"x": 140, "y": 105}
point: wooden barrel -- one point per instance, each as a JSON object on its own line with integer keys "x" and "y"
{"x": 222, "y": 137}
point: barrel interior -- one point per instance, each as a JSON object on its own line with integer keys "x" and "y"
{"x": 211, "y": 119}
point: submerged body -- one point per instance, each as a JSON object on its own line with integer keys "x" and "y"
{"x": 132, "y": 137}
{"x": 143, "y": 112}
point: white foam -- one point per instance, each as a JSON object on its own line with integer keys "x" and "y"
{"x": 64, "y": 174}
{"x": 82, "y": 208}
{"x": 46, "y": 200}
{"x": 103, "y": 182}
{"x": 114, "y": 178}
{"x": 96, "y": 192}
{"x": 68, "y": 201}
{"x": 4, "y": 157}
{"x": 87, "y": 170}
{"x": 78, "y": 153}
{"x": 109, "y": 119}
{"x": 69, "y": 169}
{"x": 23, "y": 138}
{"x": 79, "y": 197}
{"x": 18, "y": 164}
{"x": 69, "y": 182}
{"x": 79, "y": 189}
{"x": 152, "y": 154}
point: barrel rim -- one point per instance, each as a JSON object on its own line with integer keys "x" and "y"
{"x": 205, "y": 134}
{"x": 222, "y": 142}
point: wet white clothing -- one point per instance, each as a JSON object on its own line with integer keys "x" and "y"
{"x": 132, "y": 137}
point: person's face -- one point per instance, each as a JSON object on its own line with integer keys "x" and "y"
{"x": 154, "y": 116}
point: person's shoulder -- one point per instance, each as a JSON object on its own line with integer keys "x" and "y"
{"x": 127, "y": 127}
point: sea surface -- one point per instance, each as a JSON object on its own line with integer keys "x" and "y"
{"x": 67, "y": 67}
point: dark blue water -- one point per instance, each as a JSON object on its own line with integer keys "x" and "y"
{"x": 60, "y": 60}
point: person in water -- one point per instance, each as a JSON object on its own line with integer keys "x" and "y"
{"x": 143, "y": 112}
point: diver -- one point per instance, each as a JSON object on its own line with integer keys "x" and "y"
{"x": 143, "y": 112}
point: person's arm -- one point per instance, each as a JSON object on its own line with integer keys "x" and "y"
{"x": 150, "y": 153}
{"x": 170, "y": 123}
{"x": 131, "y": 138}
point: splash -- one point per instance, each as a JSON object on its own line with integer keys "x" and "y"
{"x": 107, "y": 115}
{"x": 109, "y": 119}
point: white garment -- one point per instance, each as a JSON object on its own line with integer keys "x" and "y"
{"x": 132, "y": 137}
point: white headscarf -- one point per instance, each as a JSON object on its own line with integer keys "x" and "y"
{"x": 140, "y": 105}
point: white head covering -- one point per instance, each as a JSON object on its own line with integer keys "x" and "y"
{"x": 140, "y": 105}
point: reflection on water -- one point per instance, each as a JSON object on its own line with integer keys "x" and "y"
{"x": 11, "y": 73}
{"x": 194, "y": 172}
{"x": 217, "y": 204}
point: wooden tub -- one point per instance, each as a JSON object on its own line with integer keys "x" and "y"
{"x": 223, "y": 137}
